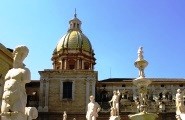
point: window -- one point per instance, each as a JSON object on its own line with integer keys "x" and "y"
{"x": 86, "y": 66}
{"x": 162, "y": 85}
{"x": 71, "y": 67}
{"x": 67, "y": 90}
{"x": 71, "y": 64}
{"x": 181, "y": 85}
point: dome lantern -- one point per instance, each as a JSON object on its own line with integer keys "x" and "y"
{"x": 75, "y": 23}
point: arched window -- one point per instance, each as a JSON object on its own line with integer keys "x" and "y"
{"x": 86, "y": 66}
{"x": 71, "y": 64}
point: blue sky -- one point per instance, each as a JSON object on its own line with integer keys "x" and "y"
{"x": 116, "y": 29}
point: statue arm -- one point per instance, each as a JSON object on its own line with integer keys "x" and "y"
{"x": 118, "y": 92}
{"x": 26, "y": 76}
{"x": 110, "y": 101}
{"x": 98, "y": 108}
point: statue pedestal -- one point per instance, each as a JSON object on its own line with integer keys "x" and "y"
{"x": 114, "y": 118}
{"x": 143, "y": 116}
{"x": 30, "y": 113}
{"x": 180, "y": 116}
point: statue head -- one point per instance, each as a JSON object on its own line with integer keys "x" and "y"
{"x": 114, "y": 92}
{"x": 91, "y": 98}
{"x": 19, "y": 54}
{"x": 178, "y": 90}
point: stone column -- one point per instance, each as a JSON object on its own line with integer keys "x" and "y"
{"x": 91, "y": 66}
{"x": 173, "y": 90}
{"x": 40, "y": 108}
{"x": 87, "y": 93}
{"x": 46, "y": 95}
{"x": 82, "y": 64}
{"x": 78, "y": 64}
{"x": 134, "y": 92}
{"x": 54, "y": 65}
{"x": 61, "y": 90}
{"x": 65, "y": 64}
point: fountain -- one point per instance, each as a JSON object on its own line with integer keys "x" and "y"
{"x": 142, "y": 83}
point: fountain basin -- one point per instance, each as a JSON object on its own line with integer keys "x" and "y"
{"x": 141, "y": 81}
{"x": 143, "y": 116}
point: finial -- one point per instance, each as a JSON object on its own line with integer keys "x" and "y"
{"x": 140, "y": 53}
{"x": 75, "y": 13}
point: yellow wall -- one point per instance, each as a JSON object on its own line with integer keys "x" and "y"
{"x": 6, "y": 60}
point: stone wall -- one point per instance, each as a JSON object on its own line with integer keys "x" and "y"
{"x": 102, "y": 116}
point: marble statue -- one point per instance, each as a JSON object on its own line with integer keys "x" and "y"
{"x": 140, "y": 53}
{"x": 65, "y": 116}
{"x": 141, "y": 58}
{"x": 92, "y": 109}
{"x": 14, "y": 97}
{"x": 161, "y": 106}
{"x": 115, "y": 102}
{"x": 136, "y": 100}
{"x": 180, "y": 108}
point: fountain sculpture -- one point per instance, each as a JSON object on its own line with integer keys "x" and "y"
{"x": 92, "y": 109}
{"x": 142, "y": 83}
{"x": 14, "y": 97}
{"x": 180, "y": 107}
{"x": 114, "y": 111}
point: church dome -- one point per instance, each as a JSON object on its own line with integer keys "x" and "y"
{"x": 74, "y": 40}
{"x": 74, "y": 50}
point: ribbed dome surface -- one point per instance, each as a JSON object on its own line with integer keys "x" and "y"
{"x": 74, "y": 40}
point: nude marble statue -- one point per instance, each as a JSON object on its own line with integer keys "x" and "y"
{"x": 92, "y": 109}
{"x": 115, "y": 102}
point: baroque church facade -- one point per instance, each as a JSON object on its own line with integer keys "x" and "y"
{"x": 68, "y": 85}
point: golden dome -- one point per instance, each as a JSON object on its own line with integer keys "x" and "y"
{"x": 74, "y": 40}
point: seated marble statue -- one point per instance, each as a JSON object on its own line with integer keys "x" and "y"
{"x": 14, "y": 97}
{"x": 92, "y": 109}
{"x": 180, "y": 108}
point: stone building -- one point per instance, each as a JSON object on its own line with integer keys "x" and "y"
{"x": 72, "y": 80}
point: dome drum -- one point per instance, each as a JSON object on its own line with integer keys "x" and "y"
{"x": 72, "y": 63}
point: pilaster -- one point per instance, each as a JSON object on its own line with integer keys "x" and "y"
{"x": 87, "y": 92}
{"x": 40, "y": 108}
{"x": 46, "y": 95}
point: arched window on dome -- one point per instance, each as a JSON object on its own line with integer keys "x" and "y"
{"x": 72, "y": 64}
{"x": 78, "y": 26}
{"x": 86, "y": 66}
{"x": 71, "y": 25}
{"x": 56, "y": 65}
